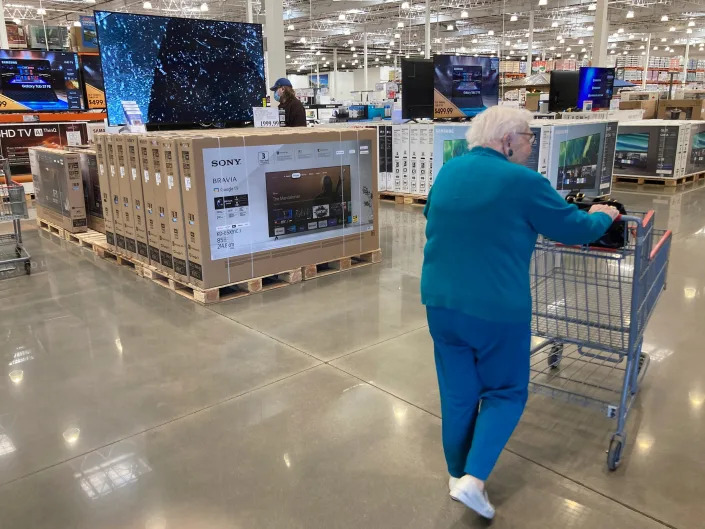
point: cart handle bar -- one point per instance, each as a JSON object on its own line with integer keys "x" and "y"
{"x": 660, "y": 243}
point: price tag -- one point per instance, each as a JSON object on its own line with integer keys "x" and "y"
{"x": 265, "y": 117}
{"x": 379, "y": 87}
{"x": 73, "y": 137}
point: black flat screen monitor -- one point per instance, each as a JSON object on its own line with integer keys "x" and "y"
{"x": 417, "y": 88}
{"x": 180, "y": 70}
{"x": 464, "y": 86}
{"x": 563, "y": 91}
{"x": 42, "y": 81}
{"x": 596, "y": 85}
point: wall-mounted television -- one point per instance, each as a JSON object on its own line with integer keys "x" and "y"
{"x": 181, "y": 70}
{"x": 464, "y": 86}
{"x": 417, "y": 88}
{"x": 596, "y": 85}
{"x": 40, "y": 81}
{"x": 563, "y": 90}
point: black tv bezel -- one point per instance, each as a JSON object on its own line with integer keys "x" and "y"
{"x": 179, "y": 124}
{"x": 406, "y": 112}
{"x": 84, "y": 103}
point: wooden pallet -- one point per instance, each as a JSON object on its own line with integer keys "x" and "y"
{"x": 403, "y": 198}
{"x": 665, "y": 182}
{"x": 52, "y": 228}
{"x": 342, "y": 264}
{"x": 225, "y": 292}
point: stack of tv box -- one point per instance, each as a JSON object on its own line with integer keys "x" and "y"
{"x": 412, "y": 159}
{"x": 219, "y": 207}
{"x": 58, "y": 187}
{"x": 657, "y": 148}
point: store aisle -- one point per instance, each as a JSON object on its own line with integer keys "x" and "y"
{"x": 313, "y": 406}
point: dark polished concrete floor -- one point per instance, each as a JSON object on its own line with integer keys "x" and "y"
{"x": 124, "y": 405}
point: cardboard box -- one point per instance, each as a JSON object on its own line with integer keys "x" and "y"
{"x": 105, "y": 194}
{"x": 649, "y": 106}
{"x": 126, "y": 204}
{"x": 165, "y": 258}
{"x": 91, "y": 189}
{"x": 116, "y": 202}
{"x": 255, "y": 202}
{"x": 134, "y": 175}
{"x": 59, "y": 188}
{"x": 691, "y": 108}
{"x": 151, "y": 213}
{"x": 650, "y": 149}
{"x": 169, "y": 156}
{"x": 411, "y": 183}
{"x": 389, "y": 158}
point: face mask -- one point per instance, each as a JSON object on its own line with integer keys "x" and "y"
{"x": 277, "y": 97}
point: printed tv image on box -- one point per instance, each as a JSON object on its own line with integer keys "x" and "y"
{"x": 646, "y": 150}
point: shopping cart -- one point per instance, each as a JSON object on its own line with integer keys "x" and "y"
{"x": 13, "y": 208}
{"x": 591, "y": 306}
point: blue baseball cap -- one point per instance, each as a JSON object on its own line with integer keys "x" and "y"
{"x": 282, "y": 81}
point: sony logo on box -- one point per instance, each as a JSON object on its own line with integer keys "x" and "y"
{"x": 225, "y": 163}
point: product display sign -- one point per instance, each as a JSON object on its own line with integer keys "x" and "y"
{"x": 181, "y": 70}
{"x": 51, "y": 37}
{"x": 16, "y": 36}
{"x": 93, "y": 81}
{"x": 16, "y": 139}
{"x": 266, "y": 117}
{"x": 40, "y": 81}
{"x": 464, "y": 86}
{"x": 275, "y": 196}
{"x": 89, "y": 35}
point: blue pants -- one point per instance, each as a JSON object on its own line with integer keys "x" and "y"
{"x": 483, "y": 376}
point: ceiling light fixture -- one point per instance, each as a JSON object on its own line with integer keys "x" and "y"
{"x": 672, "y": 28}
{"x": 464, "y": 14}
{"x": 513, "y": 18}
{"x": 691, "y": 23}
{"x": 620, "y": 30}
{"x": 554, "y": 24}
{"x": 341, "y": 16}
{"x": 400, "y": 24}
{"x": 664, "y": 18}
{"x": 664, "y": 39}
{"x": 405, "y": 5}
{"x": 77, "y": 23}
{"x": 581, "y": 41}
{"x": 592, "y": 7}
{"x": 290, "y": 28}
{"x": 397, "y": 35}
{"x": 543, "y": 2}
{"x": 449, "y": 27}
{"x": 688, "y": 30}
{"x": 490, "y": 32}
{"x": 583, "y": 50}
{"x": 590, "y": 28}
{"x": 17, "y": 21}
{"x": 41, "y": 11}
{"x": 630, "y": 14}
{"x": 204, "y": 7}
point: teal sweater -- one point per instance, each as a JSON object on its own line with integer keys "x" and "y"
{"x": 484, "y": 214}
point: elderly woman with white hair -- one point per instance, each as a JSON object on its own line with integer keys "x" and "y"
{"x": 484, "y": 214}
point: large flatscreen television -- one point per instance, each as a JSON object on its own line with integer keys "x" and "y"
{"x": 563, "y": 90}
{"x": 180, "y": 70}
{"x": 464, "y": 86}
{"x": 40, "y": 81}
{"x": 596, "y": 85}
{"x": 417, "y": 88}
{"x": 93, "y": 84}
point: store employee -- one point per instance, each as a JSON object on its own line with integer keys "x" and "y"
{"x": 294, "y": 113}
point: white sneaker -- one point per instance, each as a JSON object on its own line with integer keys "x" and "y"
{"x": 452, "y": 482}
{"x": 467, "y": 492}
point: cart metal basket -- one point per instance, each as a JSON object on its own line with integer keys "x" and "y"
{"x": 591, "y": 305}
{"x": 13, "y": 208}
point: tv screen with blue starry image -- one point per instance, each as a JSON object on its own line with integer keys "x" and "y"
{"x": 180, "y": 70}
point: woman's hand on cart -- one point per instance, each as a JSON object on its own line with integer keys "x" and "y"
{"x": 603, "y": 208}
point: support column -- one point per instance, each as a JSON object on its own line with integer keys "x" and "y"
{"x": 602, "y": 31}
{"x": 274, "y": 33}
{"x": 3, "y": 30}
{"x": 334, "y": 88}
{"x": 364, "y": 44}
{"x": 645, "y": 74}
{"x": 427, "y": 34}
{"x": 250, "y": 18}
{"x": 530, "y": 47}
{"x": 685, "y": 66}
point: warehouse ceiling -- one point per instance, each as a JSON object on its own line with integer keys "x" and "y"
{"x": 562, "y": 28}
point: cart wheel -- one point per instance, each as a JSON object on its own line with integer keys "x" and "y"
{"x": 555, "y": 356}
{"x": 641, "y": 362}
{"x": 28, "y": 267}
{"x": 614, "y": 454}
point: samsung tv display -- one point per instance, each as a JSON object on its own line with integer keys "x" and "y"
{"x": 464, "y": 86}
{"x": 563, "y": 90}
{"x": 42, "y": 81}
{"x": 596, "y": 85}
{"x": 180, "y": 70}
{"x": 417, "y": 88}
{"x": 93, "y": 81}
{"x": 647, "y": 148}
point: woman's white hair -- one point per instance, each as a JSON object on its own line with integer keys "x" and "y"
{"x": 495, "y": 123}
